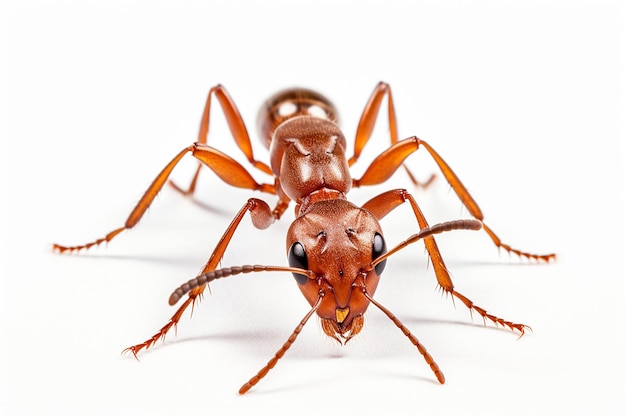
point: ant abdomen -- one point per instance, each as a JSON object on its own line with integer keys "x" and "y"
{"x": 290, "y": 103}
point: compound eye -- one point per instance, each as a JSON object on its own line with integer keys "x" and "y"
{"x": 379, "y": 248}
{"x": 297, "y": 259}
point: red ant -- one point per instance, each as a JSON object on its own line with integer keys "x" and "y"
{"x": 336, "y": 250}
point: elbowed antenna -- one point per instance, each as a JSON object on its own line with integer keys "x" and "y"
{"x": 462, "y": 224}
{"x": 205, "y": 278}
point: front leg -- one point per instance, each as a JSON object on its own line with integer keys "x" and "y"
{"x": 384, "y": 203}
{"x": 261, "y": 216}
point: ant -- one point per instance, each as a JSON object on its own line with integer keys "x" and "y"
{"x": 335, "y": 249}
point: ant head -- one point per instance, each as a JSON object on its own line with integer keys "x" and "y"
{"x": 340, "y": 253}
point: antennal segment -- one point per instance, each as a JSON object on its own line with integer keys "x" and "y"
{"x": 205, "y": 278}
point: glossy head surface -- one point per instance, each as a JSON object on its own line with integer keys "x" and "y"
{"x": 336, "y": 239}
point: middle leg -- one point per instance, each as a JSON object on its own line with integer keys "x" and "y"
{"x": 229, "y": 170}
{"x": 385, "y": 164}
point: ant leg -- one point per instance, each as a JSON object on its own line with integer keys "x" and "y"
{"x": 369, "y": 117}
{"x": 390, "y": 160}
{"x": 384, "y": 203}
{"x": 139, "y": 209}
{"x": 224, "y": 166}
{"x": 262, "y": 218}
{"x": 368, "y": 120}
{"x": 237, "y": 129}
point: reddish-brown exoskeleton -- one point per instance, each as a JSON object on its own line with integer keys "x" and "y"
{"x": 336, "y": 249}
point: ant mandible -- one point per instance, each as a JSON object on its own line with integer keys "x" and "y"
{"x": 336, "y": 250}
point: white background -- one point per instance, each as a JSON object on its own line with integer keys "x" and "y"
{"x": 521, "y": 98}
